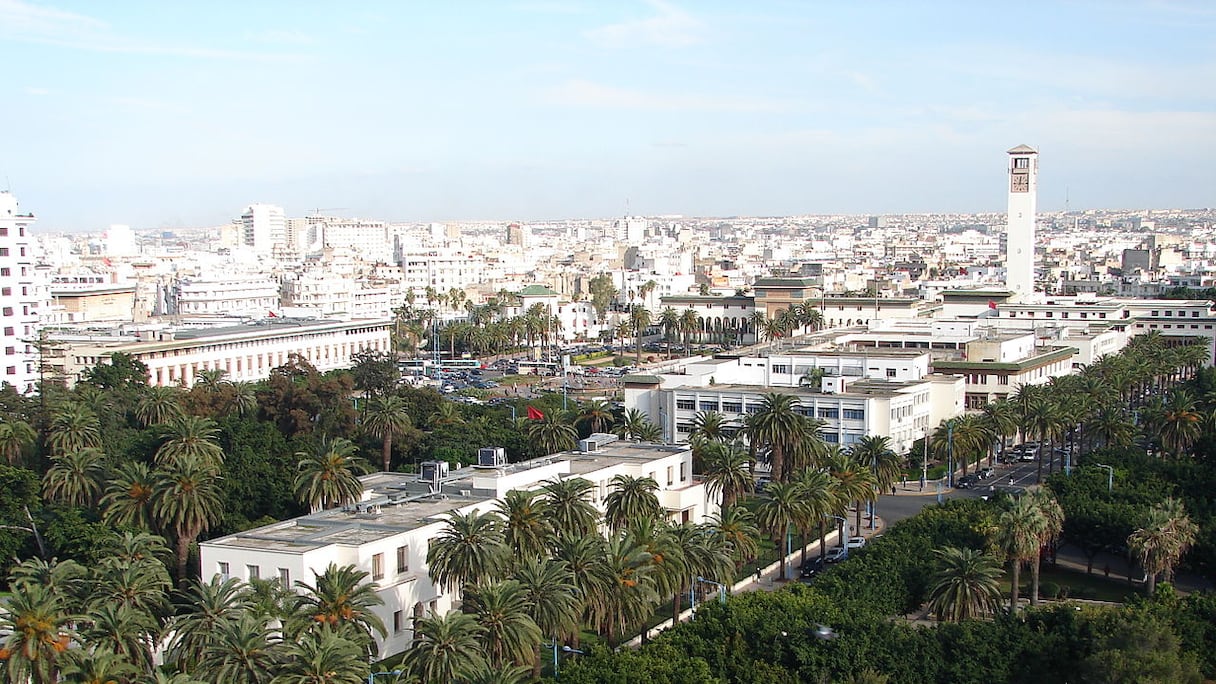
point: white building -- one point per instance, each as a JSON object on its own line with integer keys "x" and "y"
{"x": 890, "y": 393}
{"x": 22, "y": 296}
{"x": 388, "y": 533}
{"x": 254, "y": 296}
{"x": 244, "y": 353}
{"x": 120, "y": 242}
{"x": 263, "y": 228}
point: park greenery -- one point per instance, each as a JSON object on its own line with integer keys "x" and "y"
{"x": 108, "y": 487}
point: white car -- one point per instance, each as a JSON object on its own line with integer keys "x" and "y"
{"x": 835, "y": 554}
{"x": 855, "y": 543}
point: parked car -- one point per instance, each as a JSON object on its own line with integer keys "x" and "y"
{"x": 985, "y": 473}
{"x": 855, "y": 543}
{"x": 1028, "y": 455}
{"x": 835, "y": 554}
{"x": 966, "y": 481}
{"x": 812, "y": 567}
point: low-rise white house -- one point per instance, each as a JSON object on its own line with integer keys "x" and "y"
{"x": 388, "y": 533}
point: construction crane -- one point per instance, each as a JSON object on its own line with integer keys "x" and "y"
{"x": 318, "y": 210}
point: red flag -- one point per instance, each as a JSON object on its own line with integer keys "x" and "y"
{"x": 534, "y": 414}
{"x": 272, "y": 314}
{"x": 992, "y": 305}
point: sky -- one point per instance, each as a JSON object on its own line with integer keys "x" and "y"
{"x": 179, "y": 114}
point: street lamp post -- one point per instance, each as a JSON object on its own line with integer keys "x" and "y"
{"x": 950, "y": 453}
{"x": 692, "y": 592}
{"x": 1110, "y": 477}
{"x": 564, "y": 649}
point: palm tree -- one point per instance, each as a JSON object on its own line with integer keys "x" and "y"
{"x": 97, "y": 666}
{"x": 158, "y": 404}
{"x": 1161, "y": 541}
{"x": 585, "y": 555}
{"x": 187, "y": 500}
{"x": 1053, "y": 527}
{"x": 966, "y": 584}
{"x": 446, "y": 649}
{"x": 639, "y": 320}
{"x": 329, "y": 476}
{"x": 36, "y": 633}
{"x": 636, "y": 426}
{"x": 15, "y": 436}
{"x": 122, "y": 630}
{"x": 212, "y": 606}
{"x": 243, "y": 400}
{"x": 727, "y": 471}
{"x": 568, "y": 508}
{"x": 191, "y": 437}
{"x": 142, "y": 586}
{"x": 128, "y": 500}
{"x": 876, "y": 451}
{"x": 819, "y": 492}
{"x": 549, "y": 589}
{"x": 596, "y": 415}
{"x": 781, "y": 508}
{"x": 342, "y": 601}
{"x": 244, "y": 650}
{"x": 778, "y": 427}
{"x": 669, "y": 320}
{"x": 631, "y": 498}
{"x": 322, "y": 657}
{"x": 1002, "y": 421}
{"x": 1020, "y": 529}
{"x": 854, "y": 483}
{"x": 629, "y": 596}
{"x": 510, "y": 635}
{"x": 74, "y": 477}
{"x": 470, "y": 547}
{"x": 387, "y": 418}
{"x": 690, "y": 323}
{"x": 1181, "y": 423}
{"x": 527, "y": 528}
{"x": 553, "y": 433}
{"x": 736, "y": 527}
{"x": 74, "y": 427}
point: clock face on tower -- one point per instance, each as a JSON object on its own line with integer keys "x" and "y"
{"x": 1019, "y": 182}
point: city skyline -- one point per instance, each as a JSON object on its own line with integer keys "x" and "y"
{"x": 179, "y": 116}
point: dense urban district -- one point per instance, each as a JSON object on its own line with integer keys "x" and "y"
{"x": 820, "y": 449}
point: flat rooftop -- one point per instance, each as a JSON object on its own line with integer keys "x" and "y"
{"x": 399, "y": 502}
{"x": 861, "y": 387}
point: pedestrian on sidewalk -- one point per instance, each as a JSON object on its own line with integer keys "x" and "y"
{"x": 892, "y": 490}
{"x": 757, "y": 575}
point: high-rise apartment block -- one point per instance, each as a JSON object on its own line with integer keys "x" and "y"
{"x": 264, "y": 227}
{"x": 21, "y": 296}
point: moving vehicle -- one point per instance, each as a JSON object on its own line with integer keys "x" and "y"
{"x": 966, "y": 481}
{"x": 810, "y": 568}
{"x": 855, "y": 543}
{"x": 835, "y": 554}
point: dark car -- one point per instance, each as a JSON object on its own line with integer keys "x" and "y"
{"x": 809, "y": 569}
{"x": 966, "y": 482}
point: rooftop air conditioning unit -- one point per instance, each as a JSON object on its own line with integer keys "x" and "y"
{"x": 434, "y": 471}
{"x": 491, "y": 457}
{"x": 595, "y": 441}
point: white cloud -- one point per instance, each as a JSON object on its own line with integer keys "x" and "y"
{"x": 582, "y": 93}
{"x": 30, "y": 23}
{"x": 670, "y": 27}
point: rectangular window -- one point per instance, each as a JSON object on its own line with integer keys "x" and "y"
{"x": 854, "y": 414}
{"x": 686, "y": 404}
{"x": 709, "y": 405}
{"x": 8, "y": 311}
{"x": 829, "y": 412}
{"x": 753, "y": 408}
{"x": 732, "y": 407}
{"x": 377, "y": 567}
{"x": 254, "y": 571}
{"x": 285, "y": 578}
{"x": 890, "y": 372}
{"x": 9, "y": 351}
{"x": 6, "y": 291}
{"x": 670, "y": 479}
{"x": 222, "y": 569}
{"x": 683, "y": 472}
{"x": 398, "y": 621}
{"x": 3, "y": 251}
{"x": 4, "y": 232}
{"x": 403, "y": 559}
{"x": 781, "y": 368}
{"x": 11, "y": 370}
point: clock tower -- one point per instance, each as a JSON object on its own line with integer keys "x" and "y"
{"x": 1019, "y": 231}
